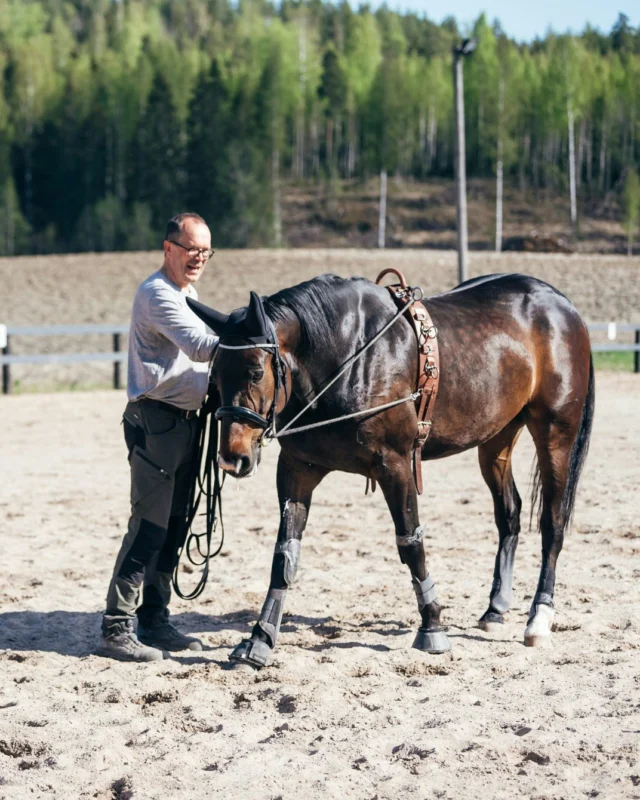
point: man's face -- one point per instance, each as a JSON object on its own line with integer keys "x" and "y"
{"x": 181, "y": 267}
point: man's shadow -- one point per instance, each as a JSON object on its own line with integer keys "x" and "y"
{"x": 75, "y": 633}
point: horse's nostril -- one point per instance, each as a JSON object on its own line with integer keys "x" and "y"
{"x": 237, "y": 466}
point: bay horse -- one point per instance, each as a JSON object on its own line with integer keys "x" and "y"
{"x": 514, "y": 352}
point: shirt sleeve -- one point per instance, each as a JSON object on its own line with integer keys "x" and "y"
{"x": 174, "y": 320}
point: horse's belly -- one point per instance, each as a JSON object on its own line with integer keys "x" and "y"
{"x": 471, "y": 409}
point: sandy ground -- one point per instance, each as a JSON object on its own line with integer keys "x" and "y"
{"x": 50, "y": 290}
{"x": 349, "y": 709}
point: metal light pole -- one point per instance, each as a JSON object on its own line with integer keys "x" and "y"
{"x": 460, "y": 50}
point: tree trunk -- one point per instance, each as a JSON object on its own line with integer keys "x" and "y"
{"x": 382, "y": 218}
{"x": 300, "y": 126}
{"x": 9, "y": 194}
{"x": 351, "y": 148}
{"x": 603, "y": 156}
{"x": 432, "y": 134}
{"x": 590, "y": 155}
{"x": 315, "y": 143}
{"x": 329, "y": 146}
{"x": 526, "y": 151}
{"x": 337, "y": 142}
{"x": 422, "y": 141}
{"x": 572, "y": 166}
{"x": 581, "y": 149}
{"x": 275, "y": 182}
{"x": 499, "y": 168}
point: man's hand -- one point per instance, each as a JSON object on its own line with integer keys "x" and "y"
{"x": 212, "y": 402}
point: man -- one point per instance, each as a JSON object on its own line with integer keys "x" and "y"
{"x": 169, "y": 353}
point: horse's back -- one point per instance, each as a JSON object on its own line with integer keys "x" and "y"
{"x": 505, "y": 342}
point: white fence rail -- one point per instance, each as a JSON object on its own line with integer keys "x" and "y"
{"x": 8, "y": 332}
{"x": 117, "y": 357}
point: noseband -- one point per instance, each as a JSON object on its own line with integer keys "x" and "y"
{"x": 246, "y": 416}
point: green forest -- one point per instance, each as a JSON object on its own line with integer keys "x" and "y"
{"x": 116, "y": 114}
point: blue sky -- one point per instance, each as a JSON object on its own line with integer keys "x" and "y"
{"x": 525, "y": 20}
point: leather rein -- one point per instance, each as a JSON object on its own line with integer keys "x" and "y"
{"x": 408, "y": 301}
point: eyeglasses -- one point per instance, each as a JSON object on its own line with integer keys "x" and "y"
{"x": 195, "y": 251}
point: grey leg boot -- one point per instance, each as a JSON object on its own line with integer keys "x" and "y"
{"x": 119, "y": 641}
{"x": 156, "y": 631}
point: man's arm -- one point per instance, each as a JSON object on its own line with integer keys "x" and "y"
{"x": 178, "y": 323}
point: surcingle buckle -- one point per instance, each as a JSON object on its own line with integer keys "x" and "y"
{"x": 424, "y": 429}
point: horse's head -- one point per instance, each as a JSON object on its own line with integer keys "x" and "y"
{"x": 250, "y": 375}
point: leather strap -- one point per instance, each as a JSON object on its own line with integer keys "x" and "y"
{"x": 428, "y": 364}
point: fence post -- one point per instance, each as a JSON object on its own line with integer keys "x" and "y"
{"x": 117, "y": 378}
{"x": 636, "y": 354}
{"x": 6, "y": 369}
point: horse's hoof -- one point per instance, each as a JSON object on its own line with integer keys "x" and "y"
{"x": 538, "y": 631}
{"x": 251, "y": 653}
{"x": 491, "y": 622}
{"x": 242, "y": 666}
{"x": 431, "y": 641}
{"x": 491, "y": 627}
{"x": 537, "y": 641}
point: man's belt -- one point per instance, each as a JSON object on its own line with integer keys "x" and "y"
{"x": 147, "y": 402}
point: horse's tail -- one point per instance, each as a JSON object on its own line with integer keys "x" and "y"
{"x": 576, "y": 460}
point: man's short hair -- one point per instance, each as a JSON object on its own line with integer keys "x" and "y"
{"x": 175, "y": 226}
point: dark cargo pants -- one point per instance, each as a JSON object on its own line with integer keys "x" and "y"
{"x": 162, "y": 453}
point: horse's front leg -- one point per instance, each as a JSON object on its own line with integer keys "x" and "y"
{"x": 396, "y": 480}
{"x": 296, "y": 481}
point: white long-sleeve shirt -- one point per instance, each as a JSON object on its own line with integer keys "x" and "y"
{"x": 169, "y": 346}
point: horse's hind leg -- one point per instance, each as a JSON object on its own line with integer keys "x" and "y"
{"x": 495, "y": 465}
{"x": 396, "y": 481}
{"x": 296, "y": 481}
{"x": 553, "y": 442}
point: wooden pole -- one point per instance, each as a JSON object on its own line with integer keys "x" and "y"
{"x": 117, "y": 373}
{"x": 461, "y": 167}
{"x": 6, "y": 369}
{"x": 572, "y": 168}
{"x": 499, "y": 167}
{"x": 382, "y": 210}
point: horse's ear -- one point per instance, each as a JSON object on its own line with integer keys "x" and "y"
{"x": 214, "y": 319}
{"x": 256, "y": 320}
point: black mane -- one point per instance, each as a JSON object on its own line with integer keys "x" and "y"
{"x": 313, "y": 304}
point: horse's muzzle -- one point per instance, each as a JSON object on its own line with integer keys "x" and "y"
{"x": 240, "y": 467}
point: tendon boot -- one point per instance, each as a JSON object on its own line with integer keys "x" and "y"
{"x": 119, "y": 640}
{"x": 157, "y": 631}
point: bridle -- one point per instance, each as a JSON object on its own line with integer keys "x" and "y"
{"x": 268, "y": 423}
{"x": 245, "y": 415}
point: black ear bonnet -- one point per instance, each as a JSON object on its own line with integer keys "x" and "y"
{"x": 249, "y": 322}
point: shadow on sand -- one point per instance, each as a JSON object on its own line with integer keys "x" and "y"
{"x": 75, "y": 633}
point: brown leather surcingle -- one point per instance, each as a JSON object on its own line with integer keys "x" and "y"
{"x": 428, "y": 363}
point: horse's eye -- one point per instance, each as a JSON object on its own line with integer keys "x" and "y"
{"x": 256, "y": 375}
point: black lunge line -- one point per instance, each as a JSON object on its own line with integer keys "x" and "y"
{"x": 208, "y": 485}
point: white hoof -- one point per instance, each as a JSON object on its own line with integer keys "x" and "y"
{"x": 538, "y": 631}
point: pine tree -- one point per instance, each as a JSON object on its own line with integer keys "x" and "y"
{"x": 209, "y": 186}
{"x": 159, "y": 159}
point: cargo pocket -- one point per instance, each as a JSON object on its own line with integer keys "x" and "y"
{"x": 151, "y": 489}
